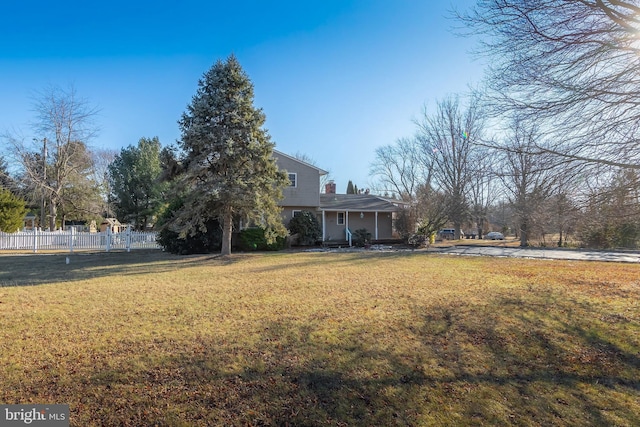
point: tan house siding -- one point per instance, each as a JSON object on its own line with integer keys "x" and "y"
{"x": 287, "y": 212}
{"x": 306, "y": 193}
{"x": 385, "y": 225}
{"x": 333, "y": 231}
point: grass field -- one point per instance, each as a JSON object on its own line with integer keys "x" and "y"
{"x": 309, "y": 339}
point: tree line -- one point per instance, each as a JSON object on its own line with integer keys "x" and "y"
{"x": 221, "y": 174}
{"x": 548, "y": 145}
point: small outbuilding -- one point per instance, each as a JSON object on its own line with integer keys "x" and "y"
{"x": 30, "y": 221}
{"x": 111, "y": 224}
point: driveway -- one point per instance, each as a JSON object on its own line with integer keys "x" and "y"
{"x": 569, "y": 254}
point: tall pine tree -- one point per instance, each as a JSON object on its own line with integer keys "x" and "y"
{"x": 350, "y": 189}
{"x": 229, "y": 169}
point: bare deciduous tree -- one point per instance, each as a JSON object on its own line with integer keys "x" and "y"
{"x": 529, "y": 179}
{"x": 574, "y": 66}
{"x": 102, "y": 158}
{"x": 483, "y": 188}
{"x": 401, "y": 168}
{"x": 64, "y": 124}
{"x": 449, "y": 137}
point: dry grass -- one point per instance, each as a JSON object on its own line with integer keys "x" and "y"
{"x": 321, "y": 339}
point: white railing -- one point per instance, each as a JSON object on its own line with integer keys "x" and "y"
{"x": 73, "y": 240}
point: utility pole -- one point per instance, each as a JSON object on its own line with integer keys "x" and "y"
{"x": 44, "y": 181}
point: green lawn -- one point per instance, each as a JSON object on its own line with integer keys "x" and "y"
{"x": 342, "y": 339}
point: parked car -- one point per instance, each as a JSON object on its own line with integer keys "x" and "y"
{"x": 449, "y": 234}
{"x": 494, "y": 235}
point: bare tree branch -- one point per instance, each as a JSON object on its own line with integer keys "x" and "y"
{"x": 573, "y": 66}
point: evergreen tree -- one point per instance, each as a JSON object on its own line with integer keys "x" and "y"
{"x": 135, "y": 185}
{"x": 229, "y": 169}
{"x": 12, "y": 211}
{"x": 6, "y": 181}
{"x": 350, "y": 189}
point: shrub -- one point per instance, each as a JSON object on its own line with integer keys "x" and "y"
{"x": 405, "y": 223}
{"x": 621, "y": 235}
{"x": 627, "y": 235}
{"x": 361, "y": 237}
{"x": 254, "y": 239}
{"x": 199, "y": 243}
{"x": 307, "y": 227}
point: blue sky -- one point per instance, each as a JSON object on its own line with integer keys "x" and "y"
{"x": 336, "y": 79}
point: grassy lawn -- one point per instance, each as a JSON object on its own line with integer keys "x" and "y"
{"x": 380, "y": 339}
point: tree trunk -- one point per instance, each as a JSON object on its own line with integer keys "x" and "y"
{"x": 524, "y": 238}
{"x": 227, "y": 228}
{"x": 53, "y": 212}
{"x": 457, "y": 228}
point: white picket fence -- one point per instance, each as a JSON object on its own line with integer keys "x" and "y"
{"x": 74, "y": 240}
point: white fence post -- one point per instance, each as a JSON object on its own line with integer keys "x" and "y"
{"x": 35, "y": 240}
{"x": 71, "y": 239}
{"x": 128, "y": 238}
{"x": 108, "y": 248}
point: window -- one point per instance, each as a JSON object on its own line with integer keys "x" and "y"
{"x": 340, "y": 218}
{"x": 293, "y": 179}
{"x": 296, "y": 213}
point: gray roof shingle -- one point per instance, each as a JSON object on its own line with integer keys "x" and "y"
{"x": 358, "y": 202}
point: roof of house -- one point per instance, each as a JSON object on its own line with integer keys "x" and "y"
{"x": 280, "y": 153}
{"x": 358, "y": 202}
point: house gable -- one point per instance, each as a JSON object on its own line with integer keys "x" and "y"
{"x": 305, "y": 189}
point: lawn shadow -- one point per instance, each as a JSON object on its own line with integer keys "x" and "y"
{"x": 543, "y": 355}
{"x": 38, "y": 269}
{"x": 337, "y": 258}
{"x": 463, "y": 371}
{"x": 290, "y": 377}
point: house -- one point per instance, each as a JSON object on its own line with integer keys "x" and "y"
{"x": 339, "y": 214}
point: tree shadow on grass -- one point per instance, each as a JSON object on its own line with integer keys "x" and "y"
{"x": 528, "y": 358}
{"x": 336, "y": 259}
{"x": 549, "y": 358}
{"x": 288, "y": 378}
{"x": 460, "y": 370}
{"x": 38, "y": 269}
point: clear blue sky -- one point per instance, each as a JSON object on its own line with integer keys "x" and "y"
{"x": 335, "y": 78}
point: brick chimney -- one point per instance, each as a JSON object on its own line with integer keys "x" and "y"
{"x": 330, "y": 187}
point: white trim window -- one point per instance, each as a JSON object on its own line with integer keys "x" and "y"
{"x": 340, "y": 218}
{"x": 295, "y": 213}
{"x": 293, "y": 179}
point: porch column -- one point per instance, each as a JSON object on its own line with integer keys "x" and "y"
{"x": 324, "y": 227}
{"x": 346, "y": 223}
{"x": 376, "y": 225}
